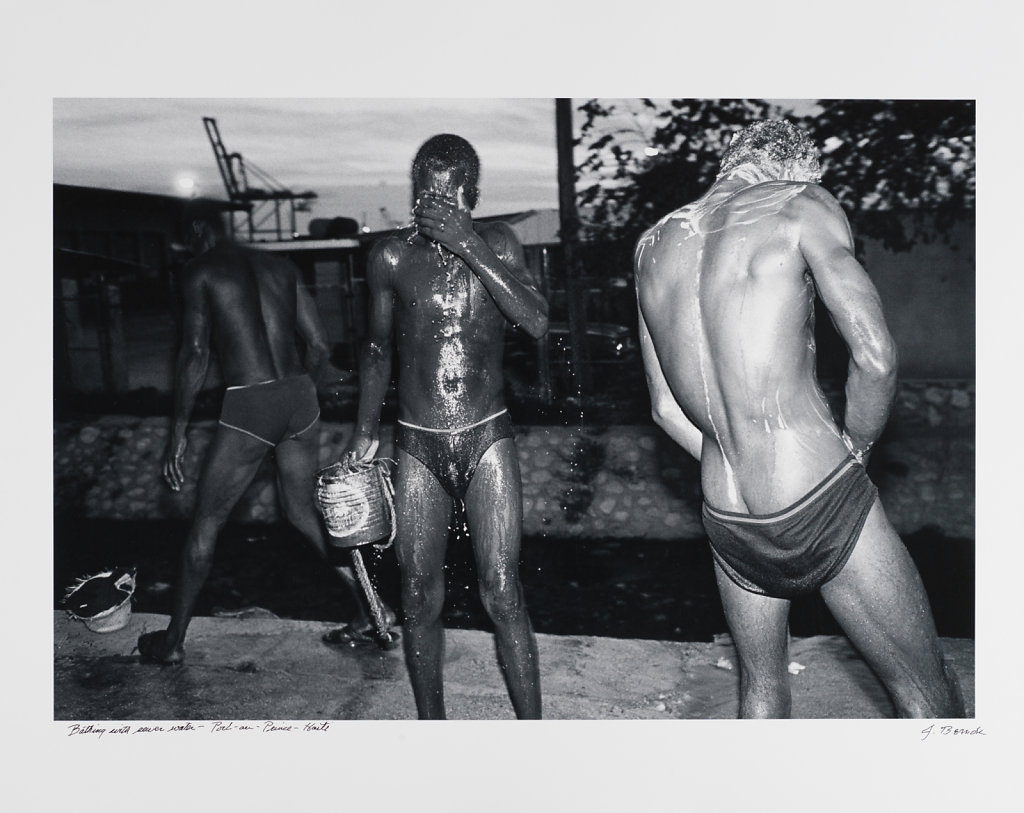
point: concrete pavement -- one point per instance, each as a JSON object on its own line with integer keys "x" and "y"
{"x": 264, "y": 668}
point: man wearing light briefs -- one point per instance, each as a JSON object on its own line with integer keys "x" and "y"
{"x": 443, "y": 290}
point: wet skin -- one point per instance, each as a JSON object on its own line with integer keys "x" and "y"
{"x": 250, "y": 306}
{"x": 726, "y": 289}
{"x": 444, "y": 291}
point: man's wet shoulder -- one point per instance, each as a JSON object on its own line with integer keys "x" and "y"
{"x": 768, "y": 201}
{"x": 390, "y": 248}
{"x": 814, "y": 199}
{"x": 650, "y": 236}
{"x": 772, "y": 190}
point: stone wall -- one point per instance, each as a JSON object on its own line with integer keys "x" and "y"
{"x": 578, "y": 481}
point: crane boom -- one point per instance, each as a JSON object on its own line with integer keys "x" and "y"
{"x": 257, "y": 204}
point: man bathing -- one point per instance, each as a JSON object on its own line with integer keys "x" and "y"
{"x": 726, "y": 289}
{"x": 248, "y": 303}
{"x": 447, "y": 288}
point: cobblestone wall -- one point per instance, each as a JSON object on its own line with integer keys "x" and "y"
{"x": 595, "y": 482}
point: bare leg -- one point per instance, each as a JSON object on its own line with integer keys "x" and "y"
{"x": 760, "y": 629}
{"x": 231, "y": 463}
{"x": 879, "y": 601}
{"x": 296, "y": 460}
{"x": 494, "y": 510}
{"x": 423, "y": 511}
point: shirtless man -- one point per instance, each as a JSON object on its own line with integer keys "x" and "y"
{"x": 726, "y": 289}
{"x": 448, "y": 288}
{"x": 250, "y": 305}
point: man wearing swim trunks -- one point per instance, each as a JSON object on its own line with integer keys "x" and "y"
{"x": 250, "y": 305}
{"x": 726, "y": 288}
{"x": 447, "y": 288}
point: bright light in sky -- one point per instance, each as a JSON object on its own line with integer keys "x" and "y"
{"x": 186, "y": 185}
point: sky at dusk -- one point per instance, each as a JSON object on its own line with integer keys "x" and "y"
{"x": 354, "y": 153}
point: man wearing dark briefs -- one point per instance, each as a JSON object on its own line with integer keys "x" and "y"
{"x": 726, "y": 288}
{"x": 446, "y": 288}
{"x": 249, "y": 305}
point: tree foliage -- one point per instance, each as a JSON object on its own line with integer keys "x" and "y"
{"x": 914, "y": 157}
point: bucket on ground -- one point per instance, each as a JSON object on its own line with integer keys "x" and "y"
{"x": 102, "y": 601}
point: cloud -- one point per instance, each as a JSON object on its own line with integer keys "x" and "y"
{"x": 325, "y": 145}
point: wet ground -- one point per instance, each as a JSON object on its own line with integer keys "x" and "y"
{"x": 252, "y": 668}
{"x": 637, "y": 589}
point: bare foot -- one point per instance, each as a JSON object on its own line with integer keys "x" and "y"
{"x": 153, "y": 648}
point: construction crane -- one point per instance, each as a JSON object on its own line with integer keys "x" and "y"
{"x": 258, "y": 205}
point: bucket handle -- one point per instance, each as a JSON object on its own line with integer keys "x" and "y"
{"x": 389, "y": 498}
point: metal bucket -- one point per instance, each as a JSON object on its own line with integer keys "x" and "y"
{"x": 357, "y": 503}
{"x": 104, "y": 601}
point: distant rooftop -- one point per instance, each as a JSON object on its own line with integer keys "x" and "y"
{"x": 533, "y": 227}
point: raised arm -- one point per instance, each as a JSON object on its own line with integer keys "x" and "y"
{"x": 856, "y": 310}
{"x": 375, "y": 355}
{"x": 495, "y": 257}
{"x": 190, "y": 370}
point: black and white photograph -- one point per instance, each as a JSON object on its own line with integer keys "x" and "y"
{"x": 645, "y": 414}
{"x": 390, "y": 443}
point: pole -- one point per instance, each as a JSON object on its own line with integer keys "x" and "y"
{"x": 570, "y": 224}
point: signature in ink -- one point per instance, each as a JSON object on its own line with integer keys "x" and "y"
{"x": 948, "y": 730}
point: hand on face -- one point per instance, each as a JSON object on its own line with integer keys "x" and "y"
{"x": 442, "y": 220}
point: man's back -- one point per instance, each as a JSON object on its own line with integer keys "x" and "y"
{"x": 250, "y": 296}
{"x": 729, "y": 306}
{"x": 726, "y": 288}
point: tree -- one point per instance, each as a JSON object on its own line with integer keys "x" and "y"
{"x": 629, "y": 192}
{"x": 913, "y": 156}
